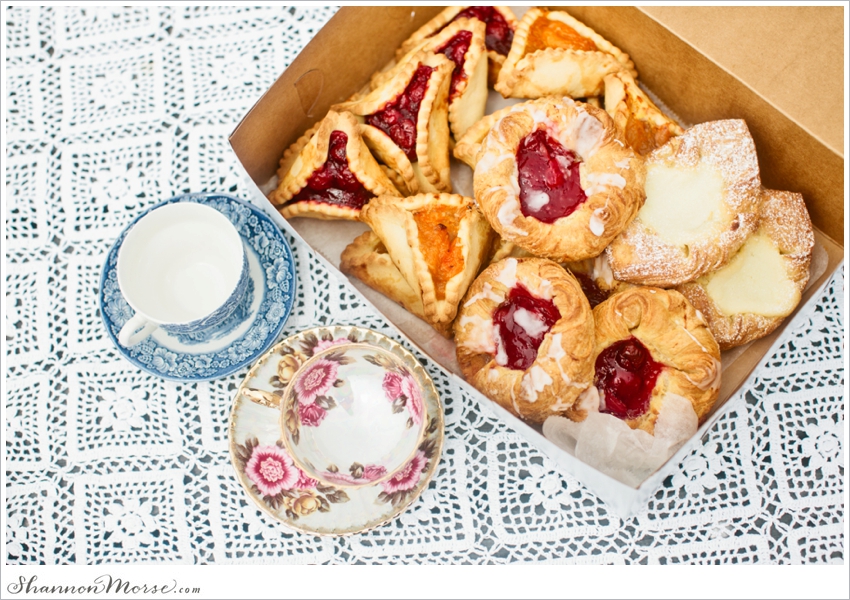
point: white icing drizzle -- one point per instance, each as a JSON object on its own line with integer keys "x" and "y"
{"x": 588, "y": 400}
{"x": 493, "y": 374}
{"x": 700, "y": 316}
{"x": 513, "y": 401}
{"x": 507, "y": 276}
{"x": 696, "y": 341}
{"x": 508, "y": 213}
{"x": 545, "y": 289}
{"x": 622, "y": 164}
{"x": 597, "y": 182}
{"x": 587, "y": 133}
{"x": 534, "y": 382}
{"x": 530, "y": 322}
{"x": 480, "y": 338}
{"x": 602, "y": 269}
{"x": 485, "y": 294}
{"x": 537, "y": 200}
{"x": 597, "y": 225}
{"x": 711, "y": 382}
{"x": 490, "y": 160}
{"x": 556, "y": 352}
{"x": 501, "y": 354}
{"x": 564, "y": 162}
{"x": 540, "y": 117}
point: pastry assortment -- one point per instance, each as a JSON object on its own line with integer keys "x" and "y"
{"x": 608, "y": 255}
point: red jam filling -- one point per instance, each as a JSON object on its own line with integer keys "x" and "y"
{"x": 521, "y": 346}
{"x": 455, "y": 49}
{"x": 626, "y": 375}
{"x": 595, "y": 295}
{"x": 398, "y": 120}
{"x": 499, "y": 36}
{"x": 549, "y": 182}
{"x": 334, "y": 183}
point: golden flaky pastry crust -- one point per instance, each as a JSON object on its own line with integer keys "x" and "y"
{"x": 366, "y": 258}
{"x": 557, "y": 70}
{"x": 703, "y": 187}
{"x": 431, "y": 167}
{"x": 432, "y": 27}
{"x": 309, "y": 154}
{"x": 611, "y": 177}
{"x": 785, "y": 222}
{"x": 675, "y": 335}
{"x": 412, "y": 230}
{"x": 468, "y": 99}
{"x": 563, "y": 369}
{"x": 642, "y": 124}
{"x": 468, "y": 147}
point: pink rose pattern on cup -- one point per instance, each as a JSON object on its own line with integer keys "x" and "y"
{"x": 359, "y": 474}
{"x": 404, "y": 483}
{"x": 315, "y": 381}
{"x": 401, "y": 390}
{"x": 276, "y": 479}
{"x": 307, "y": 496}
{"x": 311, "y": 389}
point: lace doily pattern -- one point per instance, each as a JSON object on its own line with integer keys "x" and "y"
{"x": 111, "y": 110}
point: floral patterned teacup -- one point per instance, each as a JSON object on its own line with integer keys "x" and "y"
{"x": 352, "y": 415}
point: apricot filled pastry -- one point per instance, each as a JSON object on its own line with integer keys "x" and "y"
{"x": 499, "y": 34}
{"x": 437, "y": 242}
{"x": 329, "y": 173}
{"x": 702, "y": 203}
{"x": 651, "y": 343}
{"x": 555, "y": 54}
{"x": 643, "y": 125}
{"x": 553, "y": 177}
{"x": 762, "y": 284}
{"x": 405, "y": 122}
{"x": 462, "y": 41}
{"x": 524, "y": 336}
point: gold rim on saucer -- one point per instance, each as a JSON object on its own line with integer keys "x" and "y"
{"x": 273, "y": 480}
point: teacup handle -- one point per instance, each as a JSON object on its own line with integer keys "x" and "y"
{"x": 128, "y": 336}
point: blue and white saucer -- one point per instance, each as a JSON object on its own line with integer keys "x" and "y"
{"x": 242, "y": 337}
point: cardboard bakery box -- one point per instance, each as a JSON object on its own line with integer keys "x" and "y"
{"x": 693, "y": 70}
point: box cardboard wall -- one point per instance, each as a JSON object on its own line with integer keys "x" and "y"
{"x": 692, "y": 85}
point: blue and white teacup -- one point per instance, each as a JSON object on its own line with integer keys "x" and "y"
{"x": 182, "y": 267}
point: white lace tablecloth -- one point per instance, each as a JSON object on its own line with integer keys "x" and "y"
{"x": 111, "y": 110}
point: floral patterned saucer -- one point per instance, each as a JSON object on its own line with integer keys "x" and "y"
{"x": 270, "y": 476}
{"x": 245, "y": 334}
